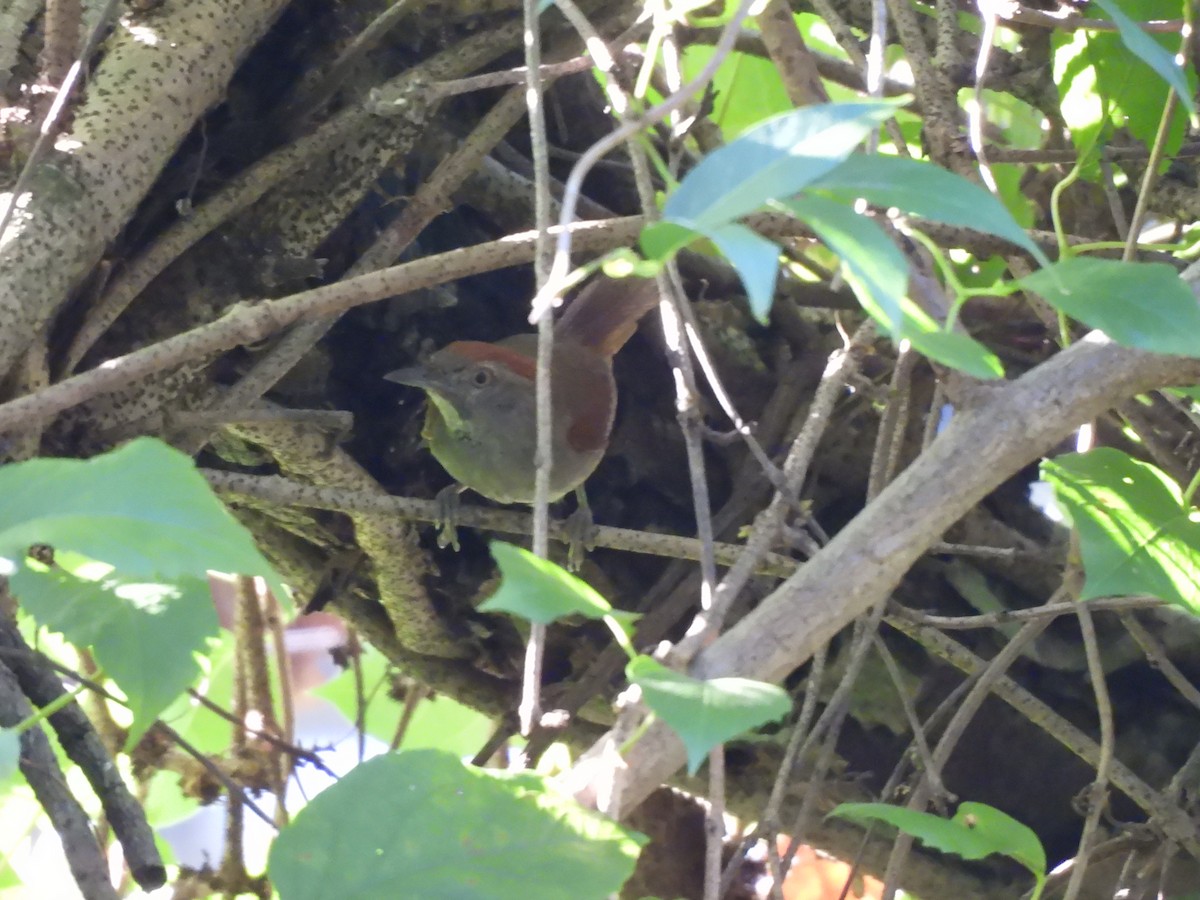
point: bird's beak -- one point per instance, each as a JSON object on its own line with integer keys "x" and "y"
{"x": 414, "y": 376}
{"x": 418, "y": 377}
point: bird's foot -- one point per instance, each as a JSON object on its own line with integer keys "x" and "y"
{"x": 447, "y": 515}
{"x": 581, "y": 532}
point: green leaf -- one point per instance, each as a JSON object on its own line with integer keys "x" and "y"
{"x": 1104, "y": 86}
{"x": 747, "y": 88}
{"x": 1010, "y": 837}
{"x": 706, "y": 713}
{"x": 772, "y": 160}
{"x": 1135, "y": 535}
{"x": 756, "y": 260}
{"x": 925, "y": 190}
{"x": 1153, "y": 54}
{"x": 1142, "y": 305}
{"x": 755, "y": 257}
{"x": 659, "y": 240}
{"x": 975, "y": 832}
{"x": 954, "y": 349}
{"x": 143, "y": 509}
{"x": 538, "y": 590}
{"x": 422, "y": 824}
{"x": 876, "y": 263}
{"x": 196, "y": 723}
{"x": 878, "y": 274}
{"x": 145, "y": 636}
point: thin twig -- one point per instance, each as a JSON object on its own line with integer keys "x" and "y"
{"x": 1158, "y": 149}
{"x": 796, "y": 66}
{"x": 1004, "y": 617}
{"x": 488, "y": 80}
{"x": 1150, "y": 175}
{"x": 783, "y": 777}
{"x": 309, "y": 756}
{"x": 769, "y": 523}
{"x": 309, "y": 102}
{"x": 1157, "y": 657}
{"x": 283, "y": 491}
{"x": 828, "y": 728}
{"x": 1072, "y": 22}
{"x": 929, "y": 765}
{"x": 1097, "y": 791}
{"x": 892, "y": 426}
{"x": 977, "y": 109}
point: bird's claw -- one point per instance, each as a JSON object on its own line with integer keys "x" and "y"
{"x": 581, "y": 531}
{"x": 447, "y": 516}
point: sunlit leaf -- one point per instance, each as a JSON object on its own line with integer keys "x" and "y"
{"x": 925, "y": 190}
{"x": 1135, "y": 535}
{"x": 706, "y": 713}
{"x": 756, "y": 260}
{"x": 144, "y": 636}
{"x": 1143, "y": 305}
{"x": 976, "y": 831}
{"x": 452, "y": 831}
{"x": 143, "y": 509}
{"x": 772, "y": 160}
{"x": 540, "y": 591}
{"x": 878, "y": 274}
{"x": 1153, "y": 54}
{"x": 438, "y": 722}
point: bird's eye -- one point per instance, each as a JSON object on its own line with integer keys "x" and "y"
{"x": 481, "y": 377}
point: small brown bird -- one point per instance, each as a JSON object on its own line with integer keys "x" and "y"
{"x": 481, "y": 420}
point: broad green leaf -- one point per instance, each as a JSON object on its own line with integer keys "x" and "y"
{"x": 925, "y": 190}
{"x": 143, "y": 509}
{"x": 165, "y": 802}
{"x": 975, "y": 832}
{"x": 771, "y": 161}
{"x": 706, "y": 713}
{"x": 1103, "y": 85}
{"x": 1153, "y": 54}
{"x": 14, "y": 888}
{"x": 1142, "y": 305}
{"x": 1135, "y": 535}
{"x": 755, "y": 257}
{"x": 145, "y": 636}
{"x": 756, "y": 260}
{"x": 878, "y": 274}
{"x": 952, "y": 348}
{"x": 1008, "y": 836}
{"x": 659, "y": 240}
{"x": 423, "y": 824}
{"x": 196, "y": 723}
{"x": 876, "y": 263}
{"x": 538, "y": 590}
{"x": 747, "y": 88}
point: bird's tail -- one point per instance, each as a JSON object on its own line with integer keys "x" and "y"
{"x": 605, "y": 314}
